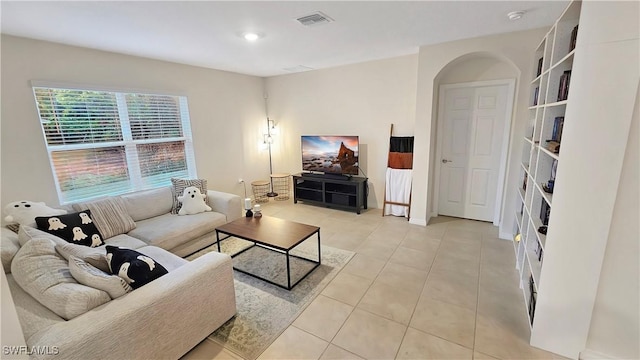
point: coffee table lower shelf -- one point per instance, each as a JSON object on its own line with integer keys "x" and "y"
{"x": 268, "y": 248}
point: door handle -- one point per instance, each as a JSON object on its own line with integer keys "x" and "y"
{"x": 444, "y": 161}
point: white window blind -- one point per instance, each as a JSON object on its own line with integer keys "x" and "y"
{"x": 108, "y": 143}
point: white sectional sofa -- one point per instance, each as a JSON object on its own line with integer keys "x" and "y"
{"x": 163, "y": 319}
{"x": 181, "y": 235}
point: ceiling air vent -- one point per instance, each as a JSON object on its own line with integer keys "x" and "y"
{"x": 317, "y": 18}
{"x": 298, "y": 68}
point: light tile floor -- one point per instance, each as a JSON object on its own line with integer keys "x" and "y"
{"x": 445, "y": 291}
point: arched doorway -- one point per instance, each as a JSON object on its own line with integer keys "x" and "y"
{"x": 475, "y": 96}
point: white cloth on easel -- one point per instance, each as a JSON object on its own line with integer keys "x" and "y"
{"x": 398, "y": 189}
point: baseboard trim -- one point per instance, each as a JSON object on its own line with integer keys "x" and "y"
{"x": 420, "y": 222}
{"x": 589, "y": 354}
{"x": 505, "y": 236}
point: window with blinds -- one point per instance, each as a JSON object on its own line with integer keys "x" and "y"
{"x": 108, "y": 143}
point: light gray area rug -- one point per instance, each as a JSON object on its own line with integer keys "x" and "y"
{"x": 265, "y": 310}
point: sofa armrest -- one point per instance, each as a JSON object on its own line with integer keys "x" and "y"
{"x": 161, "y": 320}
{"x": 228, "y": 204}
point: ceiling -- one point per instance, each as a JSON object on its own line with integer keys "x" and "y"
{"x": 208, "y": 33}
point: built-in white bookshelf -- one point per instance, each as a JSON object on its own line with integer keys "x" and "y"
{"x": 553, "y": 61}
{"x": 563, "y": 273}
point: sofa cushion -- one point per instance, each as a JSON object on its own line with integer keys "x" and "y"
{"x": 44, "y": 274}
{"x": 9, "y": 246}
{"x": 170, "y": 261}
{"x": 93, "y": 277}
{"x": 134, "y": 267}
{"x": 27, "y": 233}
{"x": 33, "y": 315}
{"x": 168, "y": 231}
{"x": 94, "y": 256}
{"x": 110, "y": 216}
{"x": 76, "y": 228}
{"x": 124, "y": 240}
{"x": 84, "y": 252}
{"x": 178, "y": 190}
{"x": 148, "y": 203}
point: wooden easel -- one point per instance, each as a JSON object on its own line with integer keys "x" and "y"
{"x": 387, "y": 202}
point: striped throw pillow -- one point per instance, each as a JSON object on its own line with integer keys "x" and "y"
{"x": 110, "y": 216}
{"x": 178, "y": 188}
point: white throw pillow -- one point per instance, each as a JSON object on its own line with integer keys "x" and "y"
{"x": 178, "y": 189}
{"x": 192, "y": 201}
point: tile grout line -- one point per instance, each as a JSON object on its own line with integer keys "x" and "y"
{"x": 421, "y": 291}
{"x": 386, "y": 263}
{"x": 363, "y": 295}
{"x": 320, "y": 294}
{"x": 477, "y": 299}
{"x": 355, "y": 306}
{"x": 475, "y": 323}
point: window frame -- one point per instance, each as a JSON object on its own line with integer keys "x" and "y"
{"x": 128, "y": 142}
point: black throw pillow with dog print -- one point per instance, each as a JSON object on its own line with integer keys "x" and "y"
{"x": 76, "y": 228}
{"x": 135, "y": 268}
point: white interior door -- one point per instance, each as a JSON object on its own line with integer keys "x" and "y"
{"x": 473, "y": 126}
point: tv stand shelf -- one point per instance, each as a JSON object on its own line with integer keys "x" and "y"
{"x": 342, "y": 192}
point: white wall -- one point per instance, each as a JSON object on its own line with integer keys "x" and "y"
{"x": 224, "y": 108}
{"x": 478, "y": 67}
{"x": 362, "y": 99}
{"x": 513, "y": 48}
{"x": 615, "y": 323}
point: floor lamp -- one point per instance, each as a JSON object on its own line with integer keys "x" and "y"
{"x": 268, "y": 139}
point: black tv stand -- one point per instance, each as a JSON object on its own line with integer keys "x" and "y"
{"x": 337, "y": 191}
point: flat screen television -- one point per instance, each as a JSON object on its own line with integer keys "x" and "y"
{"x": 330, "y": 154}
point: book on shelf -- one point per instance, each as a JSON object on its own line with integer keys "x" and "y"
{"x": 535, "y": 96}
{"x": 539, "y": 72}
{"x": 533, "y": 296}
{"x": 558, "y": 124}
{"x": 545, "y": 211}
{"x": 563, "y": 88}
{"x": 539, "y": 251}
{"x": 574, "y": 38}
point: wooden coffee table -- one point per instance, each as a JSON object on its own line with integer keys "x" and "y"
{"x": 274, "y": 234}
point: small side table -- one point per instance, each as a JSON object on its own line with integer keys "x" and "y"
{"x": 281, "y": 186}
{"x": 260, "y": 189}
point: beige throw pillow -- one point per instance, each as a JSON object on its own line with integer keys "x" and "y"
{"x": 94, "y": 256}
{"x": 45, "y": 275}
{"x": 110, "y": 216}
{"x": 93, "y": 277}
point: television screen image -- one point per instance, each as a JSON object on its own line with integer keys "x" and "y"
{"x": 330, "y": 154}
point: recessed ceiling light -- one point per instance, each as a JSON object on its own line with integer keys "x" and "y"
{"x": 251, "y": 36}
{"x": 515, "y": 15}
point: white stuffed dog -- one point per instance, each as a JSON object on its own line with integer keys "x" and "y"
{"x": 25, "y": 212}
{"x": 192, "y": 202}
